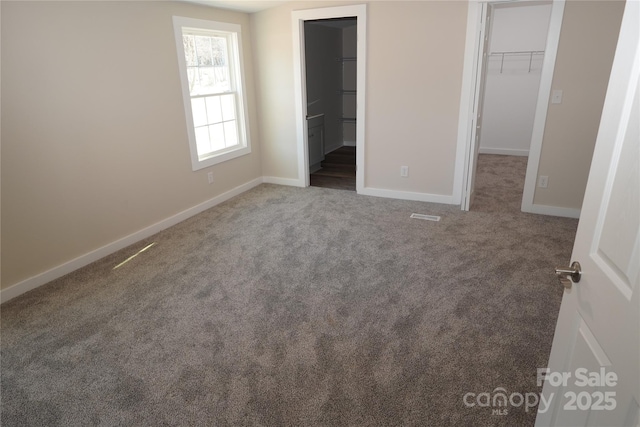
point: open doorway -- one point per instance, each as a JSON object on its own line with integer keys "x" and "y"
{"x": 526, "y": 59}
{"x": 331, "y": 85}
{"x": 517, "y": 35}
{"x": 321, "y": 130}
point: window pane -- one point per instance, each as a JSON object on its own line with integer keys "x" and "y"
{"x": 231, "y": 133}
{"x": 219, "y": 50}
{"x": 199, "y": 112}
{"x": 214, "y": 112}
{"x": 207, "y": 80}
{"x": 217, "y": 137}
{"x": 192, "y": 76}
{"x": 203, "y": 49}
{"x": 189, "y": 50}
{"x": 223, "y": 81}
{"x": 228, "y": 107}
{"x": 202, "y": 140}
{"x": 213, "y": 80}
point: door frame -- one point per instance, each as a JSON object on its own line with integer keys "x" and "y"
{"x": 474, "y": 52}
{"x": 300, "y": 83}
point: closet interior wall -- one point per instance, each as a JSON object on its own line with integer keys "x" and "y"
{"x": 516, "y": 51}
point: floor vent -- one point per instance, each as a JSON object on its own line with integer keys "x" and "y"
{"x": 425, "y": 217}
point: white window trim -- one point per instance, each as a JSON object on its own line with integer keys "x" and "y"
{"x": 236, "y": 56}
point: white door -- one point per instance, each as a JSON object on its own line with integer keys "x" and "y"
{"x": 485, "y": 27}
{"x": 594, "y": 369}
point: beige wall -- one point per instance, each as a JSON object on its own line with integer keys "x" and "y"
{"x": 94, "y": 143}
{"x": 413, "y": 89}
{"x": 585, "y": 54}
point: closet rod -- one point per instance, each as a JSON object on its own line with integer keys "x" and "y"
{"x": 519, "y": 52}
{"x": 522, "y": 52}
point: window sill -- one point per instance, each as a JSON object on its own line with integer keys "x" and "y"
{"x": 214, "y": 159}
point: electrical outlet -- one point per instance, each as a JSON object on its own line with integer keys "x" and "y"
{"x": 404, "y": 171}
{"x": 210, "y": 177}
{"x": 543, "y": 181}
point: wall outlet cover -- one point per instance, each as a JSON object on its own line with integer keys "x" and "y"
{"x": 543, "y": 181}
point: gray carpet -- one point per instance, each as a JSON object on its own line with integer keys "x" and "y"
{"x": 288, "y": 306}
{"x": 499, "y": 183}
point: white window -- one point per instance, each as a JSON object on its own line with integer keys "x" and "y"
{"x": 210, "y": 62}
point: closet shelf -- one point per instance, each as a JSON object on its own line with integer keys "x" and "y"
{"x": 347, "y": 92}
{"x": 530, "y": 53}
{"x": 519, "y": 52}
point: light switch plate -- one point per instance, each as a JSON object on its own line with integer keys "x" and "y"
{"x": 556, "y": 96}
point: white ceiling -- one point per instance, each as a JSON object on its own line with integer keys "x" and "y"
{"x": 248, "y": 6}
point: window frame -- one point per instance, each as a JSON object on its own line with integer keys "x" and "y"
{"x": 233, "y": 33}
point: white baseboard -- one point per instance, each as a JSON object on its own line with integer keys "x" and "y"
{"x": 86, "y": 259}
{"x": 83, "y": 260}
{"x": 552, "y": 210}
{"x": 408, "y": 195}
{"x": 282, "y": 181}
{"x": 504, "y": 151}
{"x": 349, "y": 143}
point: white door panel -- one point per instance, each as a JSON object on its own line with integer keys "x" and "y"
{"x": 485, "y": 28}
{"x": 598, "y": 330}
